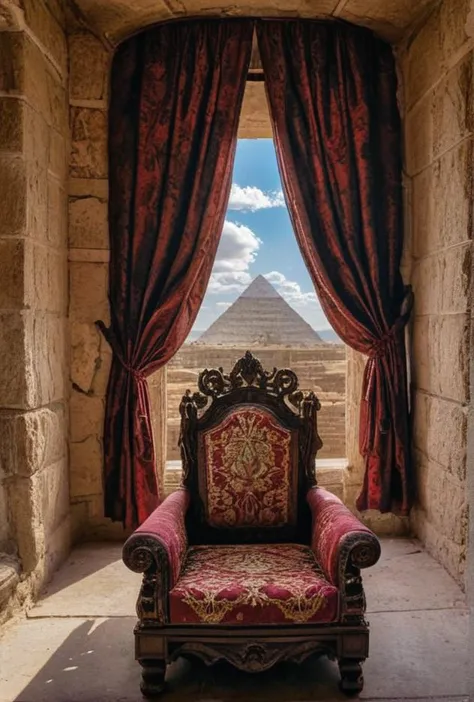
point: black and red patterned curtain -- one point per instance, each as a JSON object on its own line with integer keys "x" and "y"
{"x": 332, "y": 96}
{"x": 176, "y": 97}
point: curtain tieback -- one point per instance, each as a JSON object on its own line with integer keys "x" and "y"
{"x": 111, "y": 339}
{"x": 380, "y": 346}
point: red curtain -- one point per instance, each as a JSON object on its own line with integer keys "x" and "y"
{"x": 332, "y": 94}
{"x": 176, "y": 95}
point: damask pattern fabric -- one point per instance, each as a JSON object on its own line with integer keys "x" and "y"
{"x": 332, "y": 525}
{"x": 248, "y": 584}
{"x": 332, "y": 94}
{"x": 248, "y": 462}
{"x": 176, "y": 95}
{"x": 167, "y": 524}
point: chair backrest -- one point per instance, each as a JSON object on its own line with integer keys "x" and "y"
{"x": 248, "y": 445}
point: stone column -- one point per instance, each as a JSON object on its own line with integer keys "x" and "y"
{"x": 33, "y": 289}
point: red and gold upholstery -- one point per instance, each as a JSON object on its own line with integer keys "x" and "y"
{"x": 252, "y": 584}
{"x": 248, "y": 470}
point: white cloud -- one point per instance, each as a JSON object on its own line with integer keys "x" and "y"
{"x": 251, "y": 199}
{"x": 291, "y": 290}
{"x": 238, "y": 248}
{"x": 223, "y": 305}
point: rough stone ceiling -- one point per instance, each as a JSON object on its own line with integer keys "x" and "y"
{"x": 117, "y": 19}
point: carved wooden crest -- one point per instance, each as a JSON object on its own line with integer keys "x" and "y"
{"x": 248, "y": 372}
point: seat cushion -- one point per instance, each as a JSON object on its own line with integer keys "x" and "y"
{"x": 252, "y": 584}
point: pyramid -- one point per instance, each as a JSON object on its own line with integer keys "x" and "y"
{"x": 260, "y": 316}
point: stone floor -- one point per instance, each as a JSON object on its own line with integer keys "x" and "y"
{"x": 76, "y": 645}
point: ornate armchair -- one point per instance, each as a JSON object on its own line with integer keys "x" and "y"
{"x": 250, "y": 561}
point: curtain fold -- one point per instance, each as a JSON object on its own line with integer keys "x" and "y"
{"x": 331, "y": 89}
{"x": 176, "y": 95}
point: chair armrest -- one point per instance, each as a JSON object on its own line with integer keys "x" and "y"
{"x": 342, "y": 546}
{"x": 157, "y": 549}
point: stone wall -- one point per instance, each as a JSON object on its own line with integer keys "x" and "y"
{"x": 34, "y": 140}
{"x": 437, "y": 69}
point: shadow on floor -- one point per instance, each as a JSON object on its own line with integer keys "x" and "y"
{"x": 87, "y": 667}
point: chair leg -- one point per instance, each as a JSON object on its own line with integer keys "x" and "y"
{"x": 352, "y": 679}
{"x": 153, "y": 676}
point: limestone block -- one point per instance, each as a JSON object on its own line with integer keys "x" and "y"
{"x": 30, "y": 441}
{"x": 389, "y": 18}
{"x": 86, "y": 416}
{"x": 53, "y": 486}
{"x": 11, "y": 124}
{"x": 424, "y": 62}
{"x": 12, "y": 273}
{"x": 58, "y": 155}
{"x": 85, "y": 354}
{"x": 440, "y": 355}
{"x": 452, "y": 556}
{"x": 89, "y": 62}
{"x": 13, "y": 206}
{"x": 101, "y": 378}
{"x": 12, "y": 68}
{"x": 89, "y": 187}
{"x": 88, "y": 291}
{"x": 419, "y": 136}
{"x": 86, "y": 467}
{"x": 441, "y": 282}
{"x": 443, "y": 201}
{"x": 453, "y": 112}
{"x": 88, "y": 224}
{"x": 443, "y": 499}
{"x": 4, "y": 523}
{"x": 89, "y": 143}
{"x": 440, "y": 431}
{"x": 48, "y": 284}
{"x": 78, "y": 521}
{"x": 47, "y": 31}
{"x": 36, "y": 141}
{"x": 57, "y": 230}
{"x": 37, "y": 203}
{"x": 453, "y": 16}
{"x": 254, "y": 122}
{"x": 12, "y": 360}
{"x": 46, "y": 362}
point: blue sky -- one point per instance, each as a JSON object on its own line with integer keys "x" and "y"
{"x": 258, "y": 239}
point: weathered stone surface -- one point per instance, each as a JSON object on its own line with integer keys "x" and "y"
{"x": 439, "y": 432}
{"x": 30, "y": 441}
{"x": 388, "y": 18}
{"x": 440, "y": 355}
{"x": 58, "y": 155}
{"x": 85, "y": 354}
{"x": 86, "y": 416}
{"x": 89, "y": 143}
{"x": 101, "y": 378}
{"x": 11, "y": 124}
{"x": 450, "y": 554}
{"x": 46, "y": 358}
{"x": 88, "y": 291}
{"x": 419, "y": 136}
{"x": 39, "y": 507}
{"x": 86, "y": 467}
{"x": 443, "y": 499}
{"x": 453, "y": 16}
{"x": 57, "y": 214}
{"x": 12, "y": 360}
{"x": 12, "y": 271}
{"x": 443, "y": 201}
{"x": 89, "y": 187}
{"x": 423, "y": 63}
{"x": 89, "y": 62}
{"x": 13, "y": 200}
{"x": 37, "y": 203}
{"x": 453, "y": 111}
{"x": 88, "y": 224}
{"x": 442, "y": 282}
{"x": 48, "y": 32}
{"x": 12, "y": 67}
